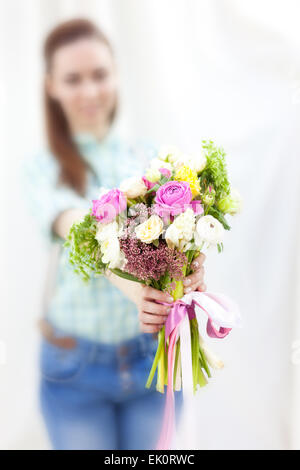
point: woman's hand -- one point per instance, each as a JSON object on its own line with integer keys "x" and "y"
{"x": 195, "y": 281}
{"x": 152, "y": 315}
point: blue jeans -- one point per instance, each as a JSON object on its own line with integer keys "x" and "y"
{"x": 94, "y": 396}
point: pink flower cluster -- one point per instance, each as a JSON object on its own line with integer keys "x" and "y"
{"x": 139, "y": 213}
{"x": 146, "y": 261}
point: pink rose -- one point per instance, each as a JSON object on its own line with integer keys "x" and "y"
{"x": 109, "y": 206}
{"x": 165, "y": 172}
{"x": 172, "y": 198}
{"x": 148, "y": 183}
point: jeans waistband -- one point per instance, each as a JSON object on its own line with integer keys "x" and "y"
{"x": 141, "y": 345}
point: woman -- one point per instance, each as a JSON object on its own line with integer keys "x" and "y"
{"x": 96, "y": 350}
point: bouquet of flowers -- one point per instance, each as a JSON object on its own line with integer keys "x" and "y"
{"x": 150, "y": 230}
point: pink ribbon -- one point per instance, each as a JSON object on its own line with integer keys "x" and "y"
{"x": 178, "y": 311}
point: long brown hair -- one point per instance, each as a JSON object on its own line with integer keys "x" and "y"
{"x": 72, "y": 167}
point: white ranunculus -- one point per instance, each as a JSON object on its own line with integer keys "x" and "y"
{"x": 208, "y": 230}
{"x": 153, "y": 175}
{"x": 168, "y": 152}
{"x": 181, "y": 231}
{"x": 133, "y": 187}
{"x": 150, "y": 230}
{"x": 111, "y": 253}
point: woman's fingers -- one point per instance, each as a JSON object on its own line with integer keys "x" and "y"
{"x": 152, "y": 315}
{"x": 193, "y": 281}
{"x": 150, "y": 293}
{"x": 194, "y": 278}
{"x": 202, "y": 287}
{"x": 149, "y": 318}
{"x": 196, "y": 287}
{"x": 154, "y": 308}
{"x": 198, "y": 262}
{"x": 146, "y": 328}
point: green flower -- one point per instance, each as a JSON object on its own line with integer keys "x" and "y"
{"x": 231, "y": 204}
{"x": 209, "y": 196}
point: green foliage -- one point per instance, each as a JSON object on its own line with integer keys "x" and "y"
{"x": 125, "y": 275}
{"x": 163, "y": 180}
{"x": 85, "y": 254}
{"x": 214, "y": 182}
{"x": 165, "y": 281}
{"x": 220, "y": 247}
{"x": 215, "y": 172}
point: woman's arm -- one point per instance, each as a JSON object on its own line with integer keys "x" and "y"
{"x": 65, "y": 220}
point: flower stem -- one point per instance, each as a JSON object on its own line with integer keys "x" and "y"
{"x": 160, "y": 347}
{"x": 160, "y": 361}
{"x": 204, "y": 362}
{"x": 178, "y": 291}
{"x": 166, "y": 349}
{"x": 201, "y": 378}
{"x": 160, "y": 386}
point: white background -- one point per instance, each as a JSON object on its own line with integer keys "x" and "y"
{"x": 190, "y": 69}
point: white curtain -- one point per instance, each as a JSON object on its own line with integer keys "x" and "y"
{"x": 221, "y": 69}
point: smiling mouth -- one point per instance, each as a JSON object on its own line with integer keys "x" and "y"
{"x": 90, "y": 108}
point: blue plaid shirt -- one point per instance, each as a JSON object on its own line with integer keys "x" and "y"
{"x": 96, "y": 310}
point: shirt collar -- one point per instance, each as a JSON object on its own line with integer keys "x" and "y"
{"x": 93, "y": 150}
{"x": 85, "y": 140}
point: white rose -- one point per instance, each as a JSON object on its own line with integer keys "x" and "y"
{"x": 105, "y": 231}
{"x": 112, "y": 254}
{"x": 156, "y": 164}
{"x": 194, "y": 162}
{"x": 168, "y": 152}
{"x": 208, "y": 230}
{"x": 133, "y": 187}
{"x": 150, "y": 230}
{"x": 181, "y": 231}
{"x": 107, "y": 236}
{"x": 153, "y": 175}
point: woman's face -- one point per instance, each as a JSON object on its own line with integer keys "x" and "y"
{"x": 83, "y": 80}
